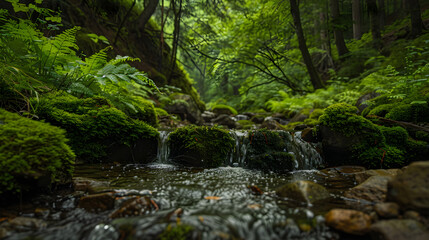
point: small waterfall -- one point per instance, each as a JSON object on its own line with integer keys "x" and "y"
{"x": 237, "y": 157}
{"x": 306, "y": 155}
{"x": 163, "y": 148}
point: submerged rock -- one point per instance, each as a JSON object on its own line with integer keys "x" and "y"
{"x": 387, "y": 210}
{"x": 410, "y": 189}
{"x": 374, "y": 189}
{"x": 135, "y": 206}
{"x": 398, "y": 229}
{"x": 97, "y": 202}
{"x": 89, "y": 185}
{"x": 304, "y": 191}
{"x": 349, "y": 221}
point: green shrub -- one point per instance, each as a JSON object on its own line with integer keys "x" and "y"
{"x": 381, "y": 157}
{"x": 200, "y": 146}
{"x": 92, "y": 124}
{"x": 395, "y": 136}
{"x": 311, "y": 122}
{"x": 416, "y": 150}
{"x": 32, "y": 154}
{"x": 224, "y": 109}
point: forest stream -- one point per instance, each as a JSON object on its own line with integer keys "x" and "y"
{"x": 219, "y": 203}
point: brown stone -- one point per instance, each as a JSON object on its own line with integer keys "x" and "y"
{"x": 397, "y": 229}
{"x": 348, "y": 221}
{"x": 363, "y": 176}
{"x": 410, "y": 189}
{"x": 387, "y": 210}
{"x": 97, "y": 202}
{"x": 374, "y": 189}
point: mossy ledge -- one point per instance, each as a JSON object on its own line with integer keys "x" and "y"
{"x": 97, "y": 130}
{"x": 349, "y": 139}
{"x": 33, "y": 155}
{"x": 200, "y": 146}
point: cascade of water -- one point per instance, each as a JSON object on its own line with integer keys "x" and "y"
{"x": 238, "y": 155}
{"x": 306, "y": 155}
{"x": 163, "y": 148}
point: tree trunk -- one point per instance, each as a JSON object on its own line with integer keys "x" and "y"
{"x": 382, "y": 13}
{"x": 416, "y": 18}
{"x": 148, "y": 11}
{"x": 357, "y": 21}
{"x": 314, "y": 76}
{"x": 338, "y": 32}
{"x": 375, "y": 23}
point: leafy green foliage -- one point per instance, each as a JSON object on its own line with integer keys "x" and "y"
{"x": 32, "y": 153}
{"x": 92, "y": 124}
{"x": 224, "y": 109}
{"x": 200, "y": 146}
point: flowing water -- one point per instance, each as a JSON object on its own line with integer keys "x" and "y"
{"x": 218, "y": 203}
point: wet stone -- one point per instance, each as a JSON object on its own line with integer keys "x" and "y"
{"x": 398, "y": 229}
{"x": 305, "y": 191}
{"x": 412, "y": 215}
{"x": 387, "y": 210}
{"x": 135, "y": 206}
{"x": 361, "y": 177}
{"x": 89, "y": 185}
{"x": 410, "y": 189}
{"x": 374, "y": 189}
{"x": 348, "y": 221}
{"x": 97, "y": 202}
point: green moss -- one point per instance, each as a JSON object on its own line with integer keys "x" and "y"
{"x": 381, "y": 110}
{"x": 144, "y": 111}
{"x": 177, "y": 232}
{"x": 410, "y": 113}
{"x": 311, "y": 122}
{"x": 92, "y": 124}
{"x": 395, "y": 136}
{"x": 200, "y": 146}
{"x": 266, "y": 151}
{"x": 420, "y": 135}
{"x": 416, "y": 150}
{"x": 381, "y": 157}
{"x": 246, "y": 124}
{"x": 224, "y": 109}
{"x": 291, "y": 126}
{"x": 316, "y": 113}
{"x": 32, "y": 153}
{"x": 161, "y": 112}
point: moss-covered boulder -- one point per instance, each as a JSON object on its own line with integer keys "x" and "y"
{"x": 267, "y": 151}
{"x": 200, "y": 146}
{"x": 304, "y": 191}
{"x": 224, "y": 109}
{"x": 143, "y": 110}
{"x": 349, "y": 139}
{"x": 98, "y": 131}
{"x": 33, "y": 155}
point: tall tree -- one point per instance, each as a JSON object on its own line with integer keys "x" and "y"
{"x": 314, "y": 76}
{"x": 374, "y": 22}
{"x": 416, "y": 18}
{"x": 357, "y": 21}
{"x": 382, "y": 13}
{"x": 149, "y": 9}
{"x": 338, "y": 32}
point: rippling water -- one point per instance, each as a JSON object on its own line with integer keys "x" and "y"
{"x": 232, "y": 210}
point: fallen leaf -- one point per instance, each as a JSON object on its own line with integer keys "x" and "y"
{"x": 201, "y": 219}
{"x": 255, "y": 190}
{"x": 212, "y": 198}
{"x": 254, "y": 206}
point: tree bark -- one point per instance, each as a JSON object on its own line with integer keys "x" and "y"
{"x": 375, "y": 23}
{"x": 338, "y": 32}
{"x": 382, "y": 13}
{"x": 314, "y": 76}
{"x": 357, "y": 21}
{"x": 148, "y": 11}
{"x": 416, "y": 18}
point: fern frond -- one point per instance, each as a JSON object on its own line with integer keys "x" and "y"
{"x": 96, "y": 60}
{"x": 123, "y": 59}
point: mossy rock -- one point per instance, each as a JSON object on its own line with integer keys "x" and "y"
{"x": 200, "y": 146}
{"x": 33, "y": 155}
{"x": 381, "y": 110}
{"x": 177, "y": 232}
{"x": 316, "y": 113}
{"x": 354, "y": 140}
{"x": 246, "y": 124}
{"x": 161, "y": 112}
{"x": 304, "y": 191}
{"x": 97, "y": 130}
{"x": 291, "y": 126}
{"x": 410, "y": 113}
{"x": 224, "y": 109}
{"x": 266, "y": 151}
{"x": 143, "y": 110}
